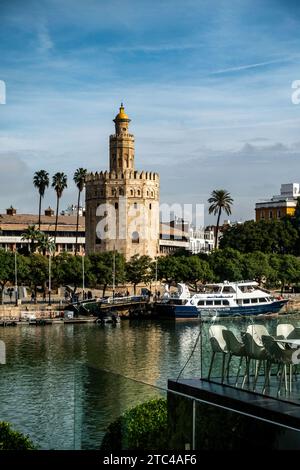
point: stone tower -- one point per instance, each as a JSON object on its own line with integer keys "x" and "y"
{"x": 122, "y": 205}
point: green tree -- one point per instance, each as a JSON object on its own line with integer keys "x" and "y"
{"x": 197, "y": 270}
{"x": 79, "y": 179}
{"x": 220, "y": 200}
{"x": 31, "y": 235}
{"x": 68, "y": 270}
{"x": 59, "y": 183}
{"x": 256, "y": 266}
{"x": 45, "y": 243}
{"x": 13, "y": 440}
{"x": 7, "y": 270}
{"x": 102, "y": 268}
{"x": 38, "y": 271}
{"x": 138, "y": 270}
{"x": 227, "y": 264}
{"x": 271, "y": 236}
{"x": 41, "y": 182}
{"x": 169, "y": 269}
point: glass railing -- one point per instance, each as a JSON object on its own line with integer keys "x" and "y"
{"x": 254, "y": 353}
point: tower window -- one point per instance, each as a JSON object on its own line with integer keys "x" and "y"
{"x": 135, "y": 205}
{"x": 121, "y": 192}
{"x": 131, "y": 192}
{"x": 150, "y": 206}
{"x": 138, "y": 192}
{"x": 135, "y": 238}
{"x": 116, "y": 205}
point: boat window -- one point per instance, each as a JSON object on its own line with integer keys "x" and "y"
{"x": 201, "y": 302}
{"x": 246, "y": 289}
{"x": 225, "y": 302}
{"x": 209, "y": 302}
{"x": 217, "y": 302}
{"x": 214, "y": 289}
{"x": 228, "y": 290}
{"x": 262, "y": 299}
{"x": 246, "y": 301}
{"x": 254, "y": 301}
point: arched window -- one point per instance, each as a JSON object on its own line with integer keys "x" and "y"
{"x": 138, "y": 192}
{"x": 121, "y": 192}
{"x": 131, "y": 192}
{"x": 135, "y": 238}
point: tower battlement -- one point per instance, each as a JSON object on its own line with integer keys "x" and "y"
{"x": 126, "y": 175}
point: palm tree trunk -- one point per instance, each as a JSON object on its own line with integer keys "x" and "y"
{"x": 217, "y": 228}
{"x": 40, "y": 208}
{"x": 56, "y": 221}
{"x": 77, "y": 222}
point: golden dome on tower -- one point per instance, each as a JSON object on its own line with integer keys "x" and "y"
{"x": 122, "y": 116}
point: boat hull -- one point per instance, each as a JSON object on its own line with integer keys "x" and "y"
{"x": 190, "y": 311}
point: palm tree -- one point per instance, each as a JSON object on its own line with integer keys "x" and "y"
{"x": 59, "y": 183}
{"x": 45, "y": 243}
{"x": 79, "y": 179}
{"x": 220, "y": 200}
{"x": 31, "y": 235}
{"x": 41, "y": 182}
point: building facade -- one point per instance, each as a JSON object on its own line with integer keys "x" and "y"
{"x": 13, "y": 225}
{"x": 122, "y": 204}
{"x": 279, "y": 205}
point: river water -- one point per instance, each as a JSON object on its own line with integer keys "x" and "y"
{"x": 63, "y": 384}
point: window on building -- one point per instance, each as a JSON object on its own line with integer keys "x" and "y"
{"x": 278, "y": 213}
{"x": 135, "y": 205}
{"x": 270, "y": 214}
{"x": 262, "y": 215}
{"x": 131, "y": 192}
{"x": 150, "y": 206}
{"x": 138, "y": 192}
{"x": 135, "y": 238}
{"x": 116, "y": 205}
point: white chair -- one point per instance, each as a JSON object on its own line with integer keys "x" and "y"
{"x": 257, "y": 331}
{"x": 218, "y": 345}
{"x": 284, "y": 329}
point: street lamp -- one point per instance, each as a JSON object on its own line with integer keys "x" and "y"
{"x": 83, "y": 275}
{"x": 49, "y": 281}
{"x": 16, "y": 278}
{"x": 114, "y": 273}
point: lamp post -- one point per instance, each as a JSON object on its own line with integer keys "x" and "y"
{"x": 16, "y": 277}
{"x": 114, "y": 273}
{"x": 49, "y": 281}
{"x": 156, "y": 277}
{"x": 83, "y": 275}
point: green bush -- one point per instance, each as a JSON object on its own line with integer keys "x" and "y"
{"x": 13, "y": 440}
{"x": 142, "y": 427}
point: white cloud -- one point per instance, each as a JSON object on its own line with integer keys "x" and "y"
{"x": 45, "y": 42}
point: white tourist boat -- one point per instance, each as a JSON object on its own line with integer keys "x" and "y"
{"x": 222, "y": 299}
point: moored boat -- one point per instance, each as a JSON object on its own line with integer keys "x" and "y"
{"x": 222, "y": 299}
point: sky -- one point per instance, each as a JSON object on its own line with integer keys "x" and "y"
{"x": 206, "y": 83}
